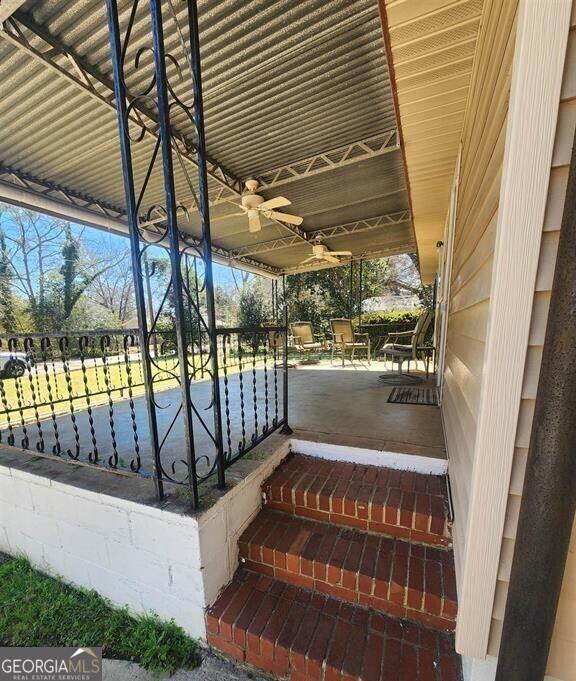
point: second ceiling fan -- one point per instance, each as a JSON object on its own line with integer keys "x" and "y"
{"x": 321, "y": 253}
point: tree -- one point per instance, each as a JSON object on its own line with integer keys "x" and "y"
{"x": 245, "y": 278}
{"x": 323, "y": 294}
{"x": 49, "y": 268}
{"x": 75, "y": 277}
{"x": 254, "y": 308}
{"x": 33, "y": 252}
{"x": 113, "y": 289}
{"x": 7, "y": 312}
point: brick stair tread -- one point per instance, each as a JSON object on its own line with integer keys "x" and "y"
{"x": 392, "y": 575}
{"x": 300, "y": 635}
{"x": 382, "y": 500}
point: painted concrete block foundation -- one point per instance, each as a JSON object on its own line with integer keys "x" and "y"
{"x": 136, "y": 555}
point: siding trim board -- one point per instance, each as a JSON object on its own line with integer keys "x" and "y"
{"x": 534, "y": 100}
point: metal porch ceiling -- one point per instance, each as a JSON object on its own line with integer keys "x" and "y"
{"x": 296, "y": 93}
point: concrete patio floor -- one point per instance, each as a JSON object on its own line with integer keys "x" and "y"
{"x": 349, "y": 406}
{"x": 345, "y": 406}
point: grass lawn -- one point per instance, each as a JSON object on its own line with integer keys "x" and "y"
{"x": 37, "y": 610}
{"x": 40, "y": 387}
{"x": 80, "y": 388}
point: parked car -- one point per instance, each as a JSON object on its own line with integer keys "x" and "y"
{"x": 12, "y": 364}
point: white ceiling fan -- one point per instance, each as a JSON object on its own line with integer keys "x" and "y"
{"x": 254, "y": 206}
{"x": 321, "y": 253}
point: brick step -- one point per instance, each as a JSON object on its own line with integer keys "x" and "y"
{"x": 299, "y": 635}
{"x": 394, "y": 576}
{"x": 382, "y": 500}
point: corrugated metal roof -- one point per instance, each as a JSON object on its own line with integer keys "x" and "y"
{"x": 283, "y": 81}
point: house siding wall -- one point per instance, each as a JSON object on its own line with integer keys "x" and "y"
{"x": 562, "y": 661}
{"x": 483, "y": 140}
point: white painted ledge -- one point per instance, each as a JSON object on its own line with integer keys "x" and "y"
{"x": 371, "y": 457}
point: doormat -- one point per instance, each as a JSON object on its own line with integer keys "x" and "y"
{"x": 410, "y": 395}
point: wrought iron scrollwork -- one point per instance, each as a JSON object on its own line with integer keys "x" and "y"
{"x": 65, "y": 398}
{"x": 169, "y": 83}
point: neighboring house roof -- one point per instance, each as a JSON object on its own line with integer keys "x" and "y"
{"x": 391, "y": 301}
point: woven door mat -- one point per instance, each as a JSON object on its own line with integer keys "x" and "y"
{"x": 412, "y": 395}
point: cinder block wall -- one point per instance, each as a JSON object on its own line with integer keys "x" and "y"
{"x": 143, "y": 557}
{"x": 132, "y": 554}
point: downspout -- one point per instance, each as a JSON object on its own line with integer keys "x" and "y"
{"x": 549, "y": 494}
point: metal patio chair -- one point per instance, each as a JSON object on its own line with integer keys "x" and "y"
{"x": 346, "y": 341}
{"x": 399, "y": 352}
{"x": 305, "y": 340}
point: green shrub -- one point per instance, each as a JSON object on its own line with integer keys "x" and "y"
{"x": 382, "y": 322}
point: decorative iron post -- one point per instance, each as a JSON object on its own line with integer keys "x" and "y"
{"x": 206, "y": 233}
{"x": 351, "y": 292}
{"x": 360, "y": 293}
{"x": 152, "y": 223}
{"x": 132, "y": 214}
{"x": 174, "y": 239}
{"x": 149, "y": 272}
{"x": 286, "y": 430}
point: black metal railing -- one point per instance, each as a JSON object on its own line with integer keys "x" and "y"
{"x": 52, "y": 386}
{"x": 81, "y": 396}
{"x": 253, "y": 367}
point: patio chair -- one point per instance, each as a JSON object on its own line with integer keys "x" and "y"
{"x": 405, "y": 352}
{"x": 345, "y": 340}
{"x": 304, "y": 339}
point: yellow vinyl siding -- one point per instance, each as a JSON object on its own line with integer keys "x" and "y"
{"x": 483, "y": 140}
{"x": 562, "y": 661}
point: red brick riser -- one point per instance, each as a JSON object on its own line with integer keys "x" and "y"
{"x": 346, "y": 575}
{"x": 304, "y": 636}
{"x": 404, "y": 580}
{"x": 384, "y": 501}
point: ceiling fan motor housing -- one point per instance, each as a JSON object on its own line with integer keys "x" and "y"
{"x": 319, "y": 249}
{"x": 252, "y": 200}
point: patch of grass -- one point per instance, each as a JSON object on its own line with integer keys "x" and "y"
{"x": 39, "y": 610}
{"x": 255, "y": 455}
{"x": 40, "y": 388}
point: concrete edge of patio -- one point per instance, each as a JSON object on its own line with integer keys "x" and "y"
{"x": 375, "y": 444}
{"x": 133, "y": 488}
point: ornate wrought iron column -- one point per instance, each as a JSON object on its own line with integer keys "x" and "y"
{"x": 360, "y": 294}
{"x": 132, "y": 214}
{"x": 206, "y": 233}
{"x": 351, "y": 292}
{"x": 175, "y": 101}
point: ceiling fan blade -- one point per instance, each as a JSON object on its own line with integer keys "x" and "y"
{"x": 278, "y": 202}
{"x": 309, "y": 259}
{"x": 340, "y": 253}
{"x": 284, "y": 217}
{"x": 254, "y": 222}
{"x": 330, "y": 258}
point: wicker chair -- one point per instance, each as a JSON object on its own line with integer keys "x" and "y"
{"x": 346, "y": 341}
